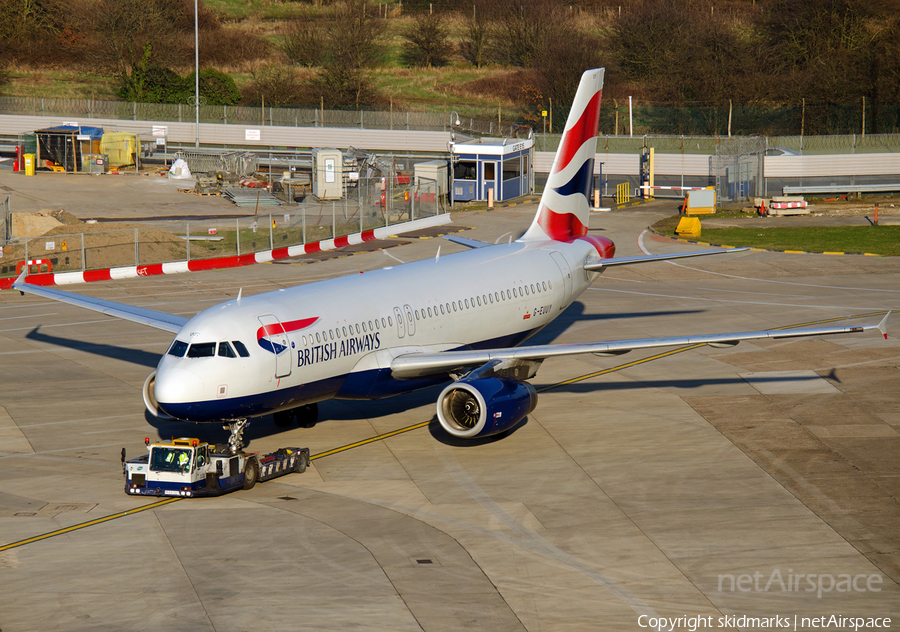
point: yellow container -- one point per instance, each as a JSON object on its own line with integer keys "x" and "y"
{"x": 688, "y": 227}
{"x": 29, "y": 164}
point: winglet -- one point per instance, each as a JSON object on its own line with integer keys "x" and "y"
{"x": 20, "y": 280}
{"x": 882, "y": 326}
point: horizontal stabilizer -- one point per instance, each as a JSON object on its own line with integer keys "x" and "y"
{"x": 468, "y": 243}
{"x": 623, "y": 261}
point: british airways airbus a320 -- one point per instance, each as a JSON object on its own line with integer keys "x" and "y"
{"x": 391, "y": 331}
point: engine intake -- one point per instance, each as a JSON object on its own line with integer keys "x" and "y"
{"x": 150, "y": 398}
{"x": 485, "y": 406}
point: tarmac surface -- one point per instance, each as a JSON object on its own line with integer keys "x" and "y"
{"x": 700, "y": 483}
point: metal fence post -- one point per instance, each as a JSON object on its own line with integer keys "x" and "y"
{"x": 271, "y": 231}
{"x": 303, "y": 207}
{"x": 237, "y": 235}
{"x": 26, "y": 252}
{"x": 187, "y": 240}
{"x": 333, "y": 226}
{"x": 137, "y": 259}
{"x": 82, "y": 252}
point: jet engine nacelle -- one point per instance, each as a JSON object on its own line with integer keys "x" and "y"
{"x": 484, "y": 406}
{"x": 150, "y": 398}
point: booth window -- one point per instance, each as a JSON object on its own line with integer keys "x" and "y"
{"x": 489, "y": 170}
{"x": 512, "y": 168}
{"x": 465, "y": 170}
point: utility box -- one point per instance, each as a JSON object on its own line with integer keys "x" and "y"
{"x": 432, "y": 171}
{"x": 328, "y": 176}
{"x": 94, "y": 163}
{"x": 700, "y": 201}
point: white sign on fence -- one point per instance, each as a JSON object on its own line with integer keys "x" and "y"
{"x": 251, "y": 134}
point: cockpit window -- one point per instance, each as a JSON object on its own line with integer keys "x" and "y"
{"x": 202, "y": 350}
{"x": 225, "y": 350}
{"x": 241, "y": 349}
{"x": 178, "y": 348}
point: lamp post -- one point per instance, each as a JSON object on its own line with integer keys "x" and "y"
{"x": 197, "y": 73}
{"x": 454, "y": 119}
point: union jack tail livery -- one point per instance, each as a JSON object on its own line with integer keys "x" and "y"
{"x": 564, "y": 210}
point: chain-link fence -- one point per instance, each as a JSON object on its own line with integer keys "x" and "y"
{"x": 243, "y": 115}
{"x": 367, "y": 205}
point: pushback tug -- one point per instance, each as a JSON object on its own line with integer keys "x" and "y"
{"x": 189, "y": 467}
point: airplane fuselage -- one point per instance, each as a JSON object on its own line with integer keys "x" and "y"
{"x": 336, "y": 338}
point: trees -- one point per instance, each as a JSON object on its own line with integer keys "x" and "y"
{"x": 427, "y": 43}
{"x": 352, "y": 44}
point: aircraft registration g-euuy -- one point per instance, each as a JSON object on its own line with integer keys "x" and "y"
{"x": 391, "y": 331}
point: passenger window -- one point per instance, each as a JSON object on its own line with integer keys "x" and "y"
{"x": 317, "y": 337}
{"x": 370, "y": 326}
{"x": 526, "y": 290}
{"x": 331, "y": 333}
{"x": 442, "y": 309}
{"x": 383, "y": 324}
{"x": 345, "y": 331}
{"x": 491, "y": 298}
{"x": 545, "y": 285}
{"x": 364, "y": 326}
{"x": 532, "y": 288}
{"x": 241, "y": 349}
{"x": 225, "y": 350}
{"x": 178, "y": 348}
{"x": 479, "y": 301}
{"x": 202, "y": 350}
{"x": 417, "y": 314}
{"x": 390, "y": 320}
{"x": 467, "y": 303}
{"x": 429, "y": 312}
{"x": 550, "y": 284}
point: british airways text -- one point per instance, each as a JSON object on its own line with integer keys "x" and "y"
{"x": 338, "y": 349}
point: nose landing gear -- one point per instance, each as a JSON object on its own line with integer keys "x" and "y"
{"x": 236, "y": 440}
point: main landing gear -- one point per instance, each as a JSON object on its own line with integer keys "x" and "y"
{"x": 304, "y": 416}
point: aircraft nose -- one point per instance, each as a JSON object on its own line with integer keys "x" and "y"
{"x": 176, "y": 385}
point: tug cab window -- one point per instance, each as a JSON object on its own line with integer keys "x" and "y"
{"x": 163, "y": 459}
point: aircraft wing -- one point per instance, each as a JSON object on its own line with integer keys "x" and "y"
{"x": 620, "y": 261}
{"x": 150, "y": 317}
{"x": 422, "y": 364}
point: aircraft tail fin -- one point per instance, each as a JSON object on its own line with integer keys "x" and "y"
{"x": 564, "y": 210}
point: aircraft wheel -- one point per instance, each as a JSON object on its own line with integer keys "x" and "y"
{"x": 251, "y": 473}
{"x": 283, "y": 418}
{"x": 308, "y": 415}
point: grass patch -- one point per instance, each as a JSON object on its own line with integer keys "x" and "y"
{"x": 881, "y": 240}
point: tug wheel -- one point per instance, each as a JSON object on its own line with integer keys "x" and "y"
{"x": 251, "y": 473}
